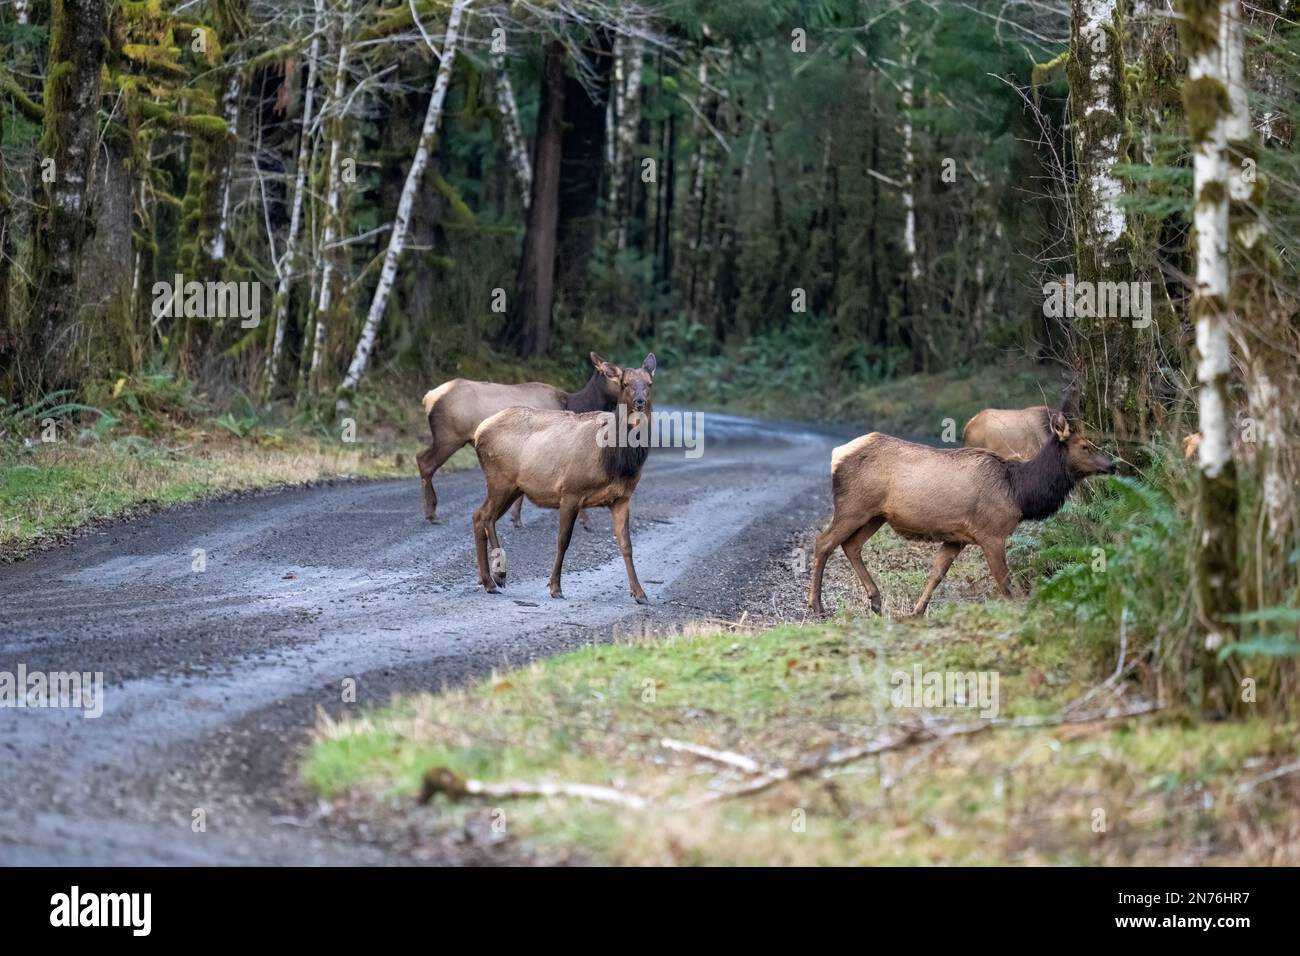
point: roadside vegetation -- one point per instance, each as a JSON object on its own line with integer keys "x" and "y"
{"x": 1090, "y": 758}
{"x": 144, "y": 442}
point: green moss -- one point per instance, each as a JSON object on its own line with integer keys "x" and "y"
{"x": 1198, "y": 25}
{"x": 1205, "y": 101}
{"x": 460, "y": 211}
{"x": 29, "y": 107}
{"x": 1044, "y": 73}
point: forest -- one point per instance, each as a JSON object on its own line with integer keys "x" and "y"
{"x": 262, "y": 225}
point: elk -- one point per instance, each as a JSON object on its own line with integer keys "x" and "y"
{"x": 956, "y": 496}
{"x": 456, "y": 408}
{"x": 564, "y": 460}
{"x": 1017, "y": 432}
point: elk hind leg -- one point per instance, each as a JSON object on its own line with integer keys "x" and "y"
{"x": 429, "y": 461}
{"x": 853, "y": 551}
{"x": 836, "y": 533}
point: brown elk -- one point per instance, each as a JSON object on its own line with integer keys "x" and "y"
{"x": 1017, "y": 432}
{"x": 567, "y": 461}
{"x": 456, "y": 408}
{"x": 956, "y": 496}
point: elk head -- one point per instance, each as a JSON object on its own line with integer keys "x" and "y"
{"x": 611, "y": 380}
{"x": 1082, "y": 458}
{"x": 633, "y": 386}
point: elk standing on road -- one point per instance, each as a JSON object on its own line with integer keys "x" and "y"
{"x": 956, "y": 496}
{"x": 456, "y": 408}
{"x": 567, "y": 461}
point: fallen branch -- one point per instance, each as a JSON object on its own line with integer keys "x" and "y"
{"x": 739, "y": 761}
{"x": 441, "y": 780}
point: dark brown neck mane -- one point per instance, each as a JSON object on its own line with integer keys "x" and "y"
{"x": 1040, "y": 485}
{"x": 590, "y": 398}
{"x": 624, "y": 461}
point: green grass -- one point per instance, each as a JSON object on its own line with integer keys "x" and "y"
{"x": 1169, "y": 789}
{"x": 151, "y": 441}
{"x": 781, "y": 695}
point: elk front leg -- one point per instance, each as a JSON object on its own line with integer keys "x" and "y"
{"x": 995, "y": 553}
{"x": 516, "y": 516}
{"x": 942, "y": 562}
{"x": 621, "y": 512}
{"x": 568, "y": 515}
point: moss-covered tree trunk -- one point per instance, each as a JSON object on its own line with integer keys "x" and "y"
{"x": 1205, "y": 99}
{"x": 1266, "y": 341}
{"x": 65, "y": 165}
{"x": 1103, "y": 346}
{"x": 8, "y": 333}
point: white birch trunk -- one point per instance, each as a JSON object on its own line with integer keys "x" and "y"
{"x": 331, "y": 230}
{"x": 22, "y": 10}
{"x": 515, "y": 142}
{"x": 230, "y": 112}
{"x": 1099, "y": 157}
{"x": 397, "y": 237}
{"x": 1210, "y": 227}
{"x": 629, "y": 116}
{"x": 287, "y": 262}
{"x": 909, "y": 163}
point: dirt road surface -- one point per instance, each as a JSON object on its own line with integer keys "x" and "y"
{"x": 213, "y": 678}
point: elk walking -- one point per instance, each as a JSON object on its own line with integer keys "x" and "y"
{"x": 564, "y": 460}
{"x": 456, "y": 408}
{"x": 956, "y": 496}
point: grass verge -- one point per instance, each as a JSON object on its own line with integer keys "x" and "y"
{"x": 1147, "y": 790}
{"x": 150, "y": 442}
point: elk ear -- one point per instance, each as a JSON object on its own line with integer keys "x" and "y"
{"x": 607, "y": 369}
{"x": 1070, "y": 401}
{"x": 1060, "y": 426}
{"x": 650, "y": 364}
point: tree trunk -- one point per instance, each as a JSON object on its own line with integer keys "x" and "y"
{"x": 289, "y": 261}
{"x": 333, "y": 217}
{"x": 68, "y": 139}
{"x": 515, "y": 144}
{"x": 1117, "y": 356}
{"x": 9, "y": 350}
{"x": 397, "y": 237}
{"x": 1207, "y": 105}
{"x": 582, "y": 167}
{"x": 623, "y": 168}
{"x": 664, "y": 195}
{"x": 535, "y": 295}
{"x": 1265, "y": 339}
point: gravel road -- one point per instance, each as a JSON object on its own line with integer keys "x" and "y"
{"x": 213, "y": 678}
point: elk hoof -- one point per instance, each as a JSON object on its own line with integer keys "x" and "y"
{"x": 641, "y": 599}
{"x": 499, "y": 565}
{"x": 432, "y": 519}
{"x": 557, "y": 594}
{"x": 489, "y": 587}
{"x": 876, "y": 606}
